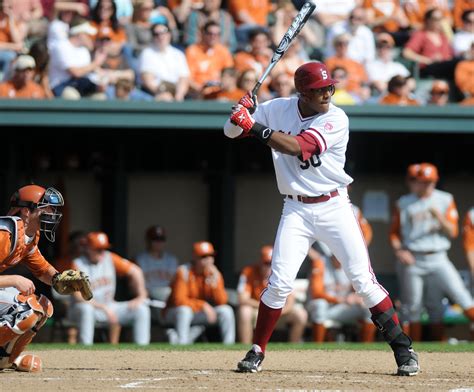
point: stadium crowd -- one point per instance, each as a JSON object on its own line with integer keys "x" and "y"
{"x": 407, "y": 52}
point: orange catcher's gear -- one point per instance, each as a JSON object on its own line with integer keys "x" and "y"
{"x": 266, "y": 254}
{"x": 423, "y": 172}
{"x": 27, "y": 315}
{"x": 98, "y": 240}
{"x": 37, "y": 197}
{"x": 202, "y": 249}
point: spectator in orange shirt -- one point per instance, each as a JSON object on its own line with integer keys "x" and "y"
{"x": 468, "y": 239}
{"x": 21, "y": 84}
{"x": 182, "y": 8}
{"x": 228, "y": 89}
{"x": 439, "y": 93}
{"x": 104, "y": 20}
{"x": 416, "y": 10}
{"x": 253, "y": 280}
{"x": 248, "y": 15}
{"x": 398, "y": 93}
{"x": 388, "y": 16}
{"x": 464, "y": 74}
{"x": 459, "y": 8}
{"x": 198, "y": 296}
{"x": 12, "y": 37}
{"x": 357, "y": 82}
{"x": 207, "y": 59}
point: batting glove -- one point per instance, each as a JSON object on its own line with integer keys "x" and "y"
{"x": 240, "y": 116}
{"x": 249, "y": 101}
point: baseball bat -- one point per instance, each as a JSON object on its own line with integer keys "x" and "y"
{"x": 296, "y": 25}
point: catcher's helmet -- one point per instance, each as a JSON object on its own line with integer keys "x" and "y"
{"x": 312, "y": 75}
{"x": 426, "y": 172}
{"x": 98, "y": 240}
{"x": 202, "y": 249}
{"x": 266, "y": 254}
{"x": 37, "y": 197}
{"x": 156, "y": 233}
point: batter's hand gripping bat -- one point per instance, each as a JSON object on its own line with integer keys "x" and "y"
{"x": 295, "y": 27}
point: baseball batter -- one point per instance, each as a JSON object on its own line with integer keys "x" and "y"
{"x": 33, "y": 209}
{"x": 103, "y": 266}
{"x": 308, "y": 136}
{"x": 424, "y": 223}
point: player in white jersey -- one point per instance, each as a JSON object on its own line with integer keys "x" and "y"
{"x": 103, "y": 267}
{"x": 424, "y": 223}
{"x": 308, "y": 136}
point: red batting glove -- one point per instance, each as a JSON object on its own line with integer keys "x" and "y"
{"x": 240, "y": 116}
{"x": 249, "y": 101}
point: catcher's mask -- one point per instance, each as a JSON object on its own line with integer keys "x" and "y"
{"x": 49, "y": 200}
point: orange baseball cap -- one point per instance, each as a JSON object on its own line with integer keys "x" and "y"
{"x": 423, "y": 172}
{"x": 98, "y": 240}
{"x": 203, "y": 249}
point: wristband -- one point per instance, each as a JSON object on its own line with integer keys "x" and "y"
{"x": 261, "y": 132}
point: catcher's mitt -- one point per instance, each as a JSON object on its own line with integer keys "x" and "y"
{"x": 70, "y": 281}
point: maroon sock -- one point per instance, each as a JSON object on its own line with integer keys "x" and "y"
{"x": 382, "y": 307}
{"x": 266, "y": 321}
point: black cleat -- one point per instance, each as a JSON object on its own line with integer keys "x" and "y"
{"x": 252, "y": 363}
{"x": 410, "y": 366}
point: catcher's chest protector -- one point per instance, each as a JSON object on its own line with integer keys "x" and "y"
{"x": 18, "y": 247}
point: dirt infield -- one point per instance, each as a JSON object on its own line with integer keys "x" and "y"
{"x": 82, "y": 370}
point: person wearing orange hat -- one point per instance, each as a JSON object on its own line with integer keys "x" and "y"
{"x": 423, "y": 225}
{"x": 198, "y": 298}
{"x": 103, "y": 267}
{"x": 252, "y": 281}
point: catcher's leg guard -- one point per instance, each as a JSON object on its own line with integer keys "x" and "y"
{"x": 23, "y": 320}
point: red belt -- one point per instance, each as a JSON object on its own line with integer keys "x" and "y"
{"x": 315, "y": 199}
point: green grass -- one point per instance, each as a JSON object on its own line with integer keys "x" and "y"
{"x": 421, "y": 347}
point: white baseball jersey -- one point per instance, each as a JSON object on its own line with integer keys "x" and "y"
{"x": 321, "y": 173}
{"x": 158, "y": 271}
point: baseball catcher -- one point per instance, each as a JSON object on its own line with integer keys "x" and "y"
{"x": 33, "y": 209}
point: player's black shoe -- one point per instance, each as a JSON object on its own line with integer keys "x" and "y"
{"x": 252, "y": 363}
{"x": 407, "y": 363}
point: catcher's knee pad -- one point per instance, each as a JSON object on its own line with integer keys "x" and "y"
{"x": 28, "y": 363}
{"x": 20, "y": 324}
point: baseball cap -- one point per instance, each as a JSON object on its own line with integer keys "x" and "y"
{"x": 85, "y": 27}
{"x": 439, "y": 86}
{"x": 98, "y": 240}
{"x": 23, "y": 62}
{"x": 203, "y": 249}
{"x": 156, "y": 233}
{"x": 426, "y": 172}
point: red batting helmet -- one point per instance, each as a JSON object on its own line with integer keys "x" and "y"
{"x": 312, "y": 75}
